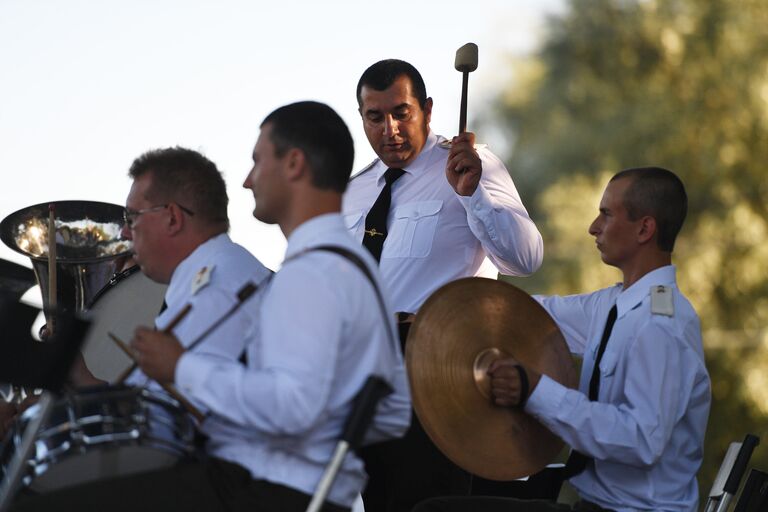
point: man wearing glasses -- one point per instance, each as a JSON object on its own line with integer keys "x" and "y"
{"x": 176, "y": 215}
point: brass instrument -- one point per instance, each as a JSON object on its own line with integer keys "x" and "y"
{"x": 89, "y": 247}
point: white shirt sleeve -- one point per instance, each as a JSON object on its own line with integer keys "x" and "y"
{"x": 297, "y": 353}
{"x": 498, "y": 219}
{"x": 659, "y": 371}
{"x": 569, "y": 313}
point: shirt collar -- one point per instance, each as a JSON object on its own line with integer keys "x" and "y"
{"x": 313, "y": 232}
{"x": 640, "y": 289}
{"x": 422, "y": 160}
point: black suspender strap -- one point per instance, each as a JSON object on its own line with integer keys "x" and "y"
{"x": 358, "y": 262}
{"x": 243, "y": 359}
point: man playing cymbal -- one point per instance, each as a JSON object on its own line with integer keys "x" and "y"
{"x": 636, "y": 424}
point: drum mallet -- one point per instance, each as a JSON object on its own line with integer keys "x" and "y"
{"x": 466, "y": 62}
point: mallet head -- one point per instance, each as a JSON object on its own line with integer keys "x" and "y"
{"x": 466, "y": 58}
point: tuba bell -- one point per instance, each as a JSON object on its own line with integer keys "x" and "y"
{"x": 89, "y": 247}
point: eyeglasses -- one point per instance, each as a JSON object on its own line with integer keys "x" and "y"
{"x": 129, "y": 216}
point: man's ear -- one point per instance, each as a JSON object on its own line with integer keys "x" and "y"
{"x": 647, "y": 230}
{"x": 175, "y": 219}
{"x": 296, "y": 164}
{"x": 428, "y": 110}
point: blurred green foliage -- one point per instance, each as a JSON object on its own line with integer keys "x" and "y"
{"x": 681, "y": 84}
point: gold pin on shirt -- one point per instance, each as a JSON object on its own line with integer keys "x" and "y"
{"x": 373, "y": 232}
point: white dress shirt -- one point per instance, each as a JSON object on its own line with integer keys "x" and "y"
{"x": 321, "y": 335}
{"x": 436, "y": 236}
{"x": 646, "y": 429}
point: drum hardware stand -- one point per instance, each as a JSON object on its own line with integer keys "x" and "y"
{"x": 363, "y": 409}
{"x": 728, "y": 479}
{"x": 12, "y": 481}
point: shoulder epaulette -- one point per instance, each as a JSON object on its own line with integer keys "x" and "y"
{"x": 365, "y": 169}
{"x": 661, "y": 301}
{"x": 202, "y": 278}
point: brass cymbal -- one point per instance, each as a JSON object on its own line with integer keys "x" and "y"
{"x": 458, "y": 332}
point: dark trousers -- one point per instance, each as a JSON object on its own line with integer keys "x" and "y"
{"x": 493, "y": 504}
{"x": 544, "y": 485}
{"x": 405, "y": 471}
{"x": 214, "y": 485}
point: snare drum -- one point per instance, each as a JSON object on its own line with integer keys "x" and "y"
{"x": 129, "y": 299}
{"x": 102, "y": 432}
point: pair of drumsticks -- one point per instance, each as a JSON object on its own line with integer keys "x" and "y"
{"x": 242, "y": 295}
{"x": 168, "y": 388}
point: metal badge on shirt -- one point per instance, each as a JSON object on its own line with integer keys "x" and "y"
{"x": 202, "y": 278}
{"x": 661, "y": 301}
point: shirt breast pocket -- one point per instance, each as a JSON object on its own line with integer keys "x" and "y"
{"x": 413, "y": 230}
{"x": 354, "y": 224}
{"x": 608, "y": 369}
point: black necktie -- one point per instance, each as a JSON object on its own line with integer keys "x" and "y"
{"x": 376, "y": 220}
{"x": 578, "y": 461}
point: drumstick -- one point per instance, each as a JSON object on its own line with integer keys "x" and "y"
{"x": 51, "y": 266}
{"x": 168, "y": 330}
{"x": 177, "y": 319}
{"x": 194, "y": 411}
{"x": 242, "y": 295}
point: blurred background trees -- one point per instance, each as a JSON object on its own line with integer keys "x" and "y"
{"x": 681, "y": 84}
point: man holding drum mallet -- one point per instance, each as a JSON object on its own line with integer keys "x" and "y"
{"x": 431, "y": 211}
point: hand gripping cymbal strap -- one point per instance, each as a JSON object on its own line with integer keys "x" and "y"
{"x": 357, "y": 423}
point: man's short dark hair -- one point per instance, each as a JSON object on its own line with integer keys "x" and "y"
{"x": 185, "y": 177}
{"x": 382, "y": 75}
{"x": 318, "y": 131}
{"x": 657, "y": 193}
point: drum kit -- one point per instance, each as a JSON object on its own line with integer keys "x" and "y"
{"x": 103, "y": 431}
